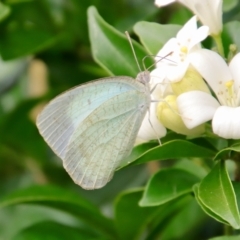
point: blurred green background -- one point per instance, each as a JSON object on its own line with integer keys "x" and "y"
{"x": 45, "y": 50}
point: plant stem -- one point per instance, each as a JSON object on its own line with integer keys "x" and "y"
{"x": 228, "y": 230}
{"x": 236, "y": 160}
{"x": 218, "y": 41}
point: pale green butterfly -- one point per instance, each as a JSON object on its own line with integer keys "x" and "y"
{"x": 93, "y": 127}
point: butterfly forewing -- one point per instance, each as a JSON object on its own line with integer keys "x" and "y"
{"x": 93, "y": 127}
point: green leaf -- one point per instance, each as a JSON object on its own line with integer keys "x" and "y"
{"x": 229, "y": 4}
{"x": 166, "y": 185}
{"x": 51, "y": 231}
{"x": 216, "y": 143}
{"x": 110, "y": 48}
{"x": 182, "y": 149}
{"x": 22, "y": 216}
{"x": 205, "y": 209}
{"x": 29, "y": 29}
{"x": 17, "y": 1}
{"x": 216, "y": 196}
{"x": 130, "y": 218}
{"x": 14, "y": 131}
{"x": 10, "y": 72}
{"x": 185, "y": 223}
{"x": 164, "y": 216}
{"x": 226, "y": 238}
{"x": 153, "y": 35}
{"x": 134, "y": 222}
{"x": 180, "y": 15}
{"x": 236, "y": 186}
{"x": 4, "y": 11}
{"x": 64, "y": 200}
{"x": 193, "y": 166}
{"x": 231, "y": 31}
{"x": 227, "y": 152}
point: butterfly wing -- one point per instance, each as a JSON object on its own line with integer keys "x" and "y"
{"x": 94, "y": 126}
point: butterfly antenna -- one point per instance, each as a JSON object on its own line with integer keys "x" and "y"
{"x": 154, "y": 130}
{"x": 159, "y": 60}
{"x": 134, "y": 54}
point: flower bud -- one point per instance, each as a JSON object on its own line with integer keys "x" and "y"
{"x": 167, "y": 113}
{"x": 191, "y": 81}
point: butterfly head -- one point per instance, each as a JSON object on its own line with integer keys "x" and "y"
{"x": 143, "y": 77}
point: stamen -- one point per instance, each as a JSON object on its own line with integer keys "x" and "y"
{"x": 184, "y": 49}
{"x": 231, "y": 99}
{"x": 229, "y": 83}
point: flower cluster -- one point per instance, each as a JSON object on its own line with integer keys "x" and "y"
{"x": 193, "y": 85}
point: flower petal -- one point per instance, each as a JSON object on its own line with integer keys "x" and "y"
{"x": 235, "y": 69}
{"x": 170, "y": 46}
{"x": 167, "y": 113}
{"x": 196, "y": 107}
{"x": 186, "y": 31}
{"x": 199, "y": 35}
{"x": 209, "y": 12}
{"x": 159, "y": 83}
{"x": 177, "y": 72}
{"x": 192, "y": 81}
{"x": 225, "y": 122}
{"x": 161, "y": 3}
{"x": 190, "y": 35}
{"x": 212, "y": 67}
{"x": 146, "y": 131}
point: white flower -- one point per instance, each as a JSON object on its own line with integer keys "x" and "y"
{"x": 151, "y": 128}
{"x": 186, "y": 42}
{"x": 197, "y": 107}
{"x": 169, "y": 70}
{"x": 163, "y": 110}
{"x": 209, "y": 12}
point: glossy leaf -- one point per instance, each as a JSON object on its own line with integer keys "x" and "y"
{"x": 165, "y": 215}
{"x": 229, "y": 4}
{"x": 22, "y": 216}
{"x": 205, "y": 209}
{"x": 134, "y": 222}
{"x": 182, "y": 149}
{"x": 64, "y": 200}
{"x": 193, "y": 166}
{"x": 216, "y": 195}
{"x": 52, "y": 231}
{"x": 184, "y": 224}
{"x": 166, "y": 185}
{"x": 10, "y": 72}
{"x": 227, "y": 152}
{"x": 236, "y": 186}
{"x": 231, "y": 33}
{"x": 27, "y": 36}
{"x": 4, "y": 11}
{"x": 110, "y": 48}
{"x": 14, "y": 131}
{"x": 216, "y": 143}
{"x": 226, "y": 238}
{"x": 17, "y": 1}
{"x": 153, "y": 35}
{"x": 131, "y": 218}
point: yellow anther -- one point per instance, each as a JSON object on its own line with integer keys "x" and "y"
{"x": 184, "y": 49}
{"x": 229, "y": 84}
{"x": 230, "y": 93}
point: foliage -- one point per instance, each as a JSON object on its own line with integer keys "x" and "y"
{"x": 184, "y": 188}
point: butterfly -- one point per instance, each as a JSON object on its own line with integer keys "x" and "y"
{"x": 93, "y": 126}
